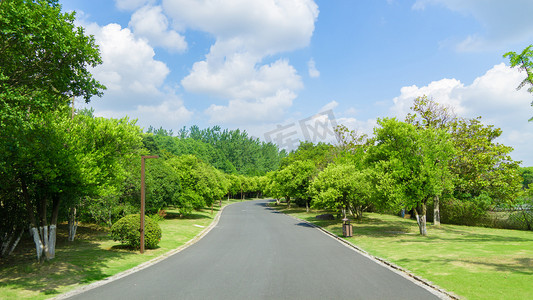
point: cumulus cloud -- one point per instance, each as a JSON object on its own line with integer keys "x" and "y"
{"x": 133, "y": 78}
{"x": 238, "y": 111}
{"x": 493, "y": 96}
{"x": 149, "y": 22}
{"x": 246, "y": 32}
{"x": 264, "y": 27}
{"x": 129, "y": 67}
{"x": 132, "y": 4}
{"x": 313, "y": 71}
{"x": 505, "y": 22}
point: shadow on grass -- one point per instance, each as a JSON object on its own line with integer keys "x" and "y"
{"x": 191, "y": 216}
{"x": 75, "y": 262}
{"x": 522, "y": 266}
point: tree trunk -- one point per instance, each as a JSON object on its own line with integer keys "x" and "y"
{"x": 436, "y": 211}
{"x": 421, "y": 218}
{"x": 307, "y": 206}
{"x": 72, "y": 224}
{"x": 288, "y": 201}
{"x": 10, "y": 242}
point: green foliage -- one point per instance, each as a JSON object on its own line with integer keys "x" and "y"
{"x": 231, "y": 151}
{"x": 466, "y": 212}
{"x": 42, "y": 50}
{"x": 44, "y": 61}
{"x": 412, "y": 164}
{"x": 527, "y": 175}
{"x": 127, "y": 231}
{"x": 320, "y": 154}
{"x": 482, "y": 165}
{"x": 345, "y": 186}
{"x": 524, "y": 61}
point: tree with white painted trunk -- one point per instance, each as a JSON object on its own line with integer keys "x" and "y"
{"x": 44, "y": 62}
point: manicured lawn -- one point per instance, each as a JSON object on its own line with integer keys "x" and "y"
{"x": 91, "y": 257}
{"x": 472, "y": 262}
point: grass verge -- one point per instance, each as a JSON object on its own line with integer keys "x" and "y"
{"x": 472, "y": 262}
{"x": 91, "y": 257}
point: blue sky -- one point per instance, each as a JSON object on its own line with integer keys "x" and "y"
{"x": 258, "y": 65}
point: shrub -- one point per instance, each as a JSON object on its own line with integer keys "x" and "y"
{"x": 127, "y": 231}
{"x": 472, "y": 213}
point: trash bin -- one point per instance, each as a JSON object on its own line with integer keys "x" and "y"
{"x": 347, "y": 228}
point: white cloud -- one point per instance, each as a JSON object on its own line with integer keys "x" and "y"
{"x": 444, "y": 91}
{"x": 128, "y": 65}
{"x": 134, "y": 79}
{"x": 149, "y": 22}
{"x": 313, "y": 71}
{"x": 265, "y": 26}
{"x": 504, "y": 22}
{"x": 132, "y": 4}
{"x": 493, "y": 96}
{"x": 246, "y": 32}
{"x": 267, "y": 109}
{"x": 239, "y": 78}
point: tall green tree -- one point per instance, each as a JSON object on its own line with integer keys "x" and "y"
{"x": 524, "y": 61}
{"x": 427, "y": 113}
{"x": 415, "y": 161}
{"x": 483, "y": 166}
{"x": 44, "y": 61}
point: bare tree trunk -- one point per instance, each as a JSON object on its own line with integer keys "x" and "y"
{"x": 72, "y": 224}
{"x": 421, "y": 219}
{"x": 14, "y": 245}
{"x": 307, "y": 206}
{"x": 10, "y": 241}
{"x": 436, "y": 211}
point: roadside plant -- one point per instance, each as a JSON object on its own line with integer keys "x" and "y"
{"x": 127, "y": 231}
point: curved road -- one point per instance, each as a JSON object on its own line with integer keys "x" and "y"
{"x": 257, "y": 253}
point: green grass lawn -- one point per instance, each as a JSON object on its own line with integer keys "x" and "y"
{"x": 91, "y": 257}
{"x": 472, "y": 262}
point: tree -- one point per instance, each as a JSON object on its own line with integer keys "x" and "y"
{"x": 524, "y": 61}
{"x": 427, "y": 113}
{"x": 343, "y": 185}
{"x": 42, "y": 49}
{"x": 482, "y": 166}
{"x": 109, "y": 152}
{"x": 527, "y": 175}
{"x": 415, "y": 162}
{"x": 296, "y": 179}
{"x": 44, "y": 61}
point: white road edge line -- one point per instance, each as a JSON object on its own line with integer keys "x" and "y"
{"x": 427, "y": 285}
{"x": 144, "y": 264}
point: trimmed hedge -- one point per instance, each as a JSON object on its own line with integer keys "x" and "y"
{"x": 127, "y": 231}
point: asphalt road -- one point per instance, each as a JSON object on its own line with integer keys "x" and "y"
{"x": 257, "y": 253}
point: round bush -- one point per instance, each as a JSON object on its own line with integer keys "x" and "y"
{"x": 127, "y": 231}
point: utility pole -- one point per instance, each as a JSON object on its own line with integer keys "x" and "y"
{"x": 143, "y": 199}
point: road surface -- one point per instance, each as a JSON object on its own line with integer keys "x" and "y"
{"x": 257, "y": 253}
